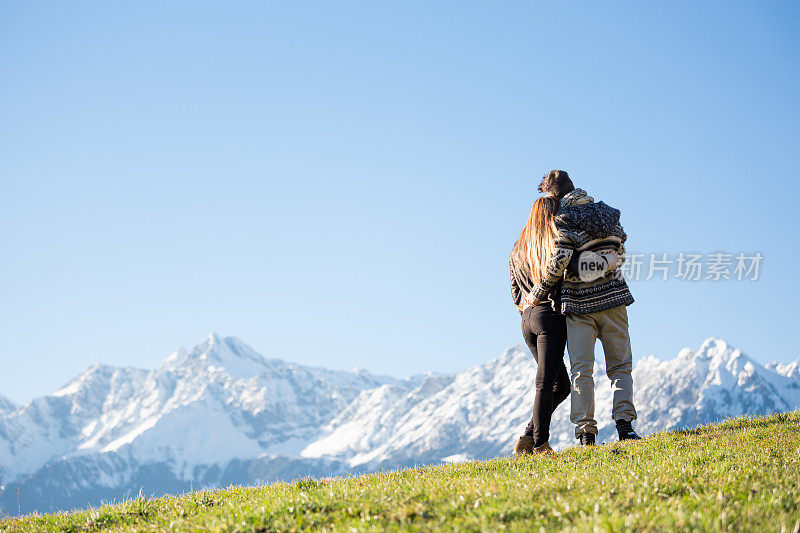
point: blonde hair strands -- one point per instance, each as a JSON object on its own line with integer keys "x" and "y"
{"x": 537, "y": 240}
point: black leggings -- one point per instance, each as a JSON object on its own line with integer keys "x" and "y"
{"x": 545, "y": 333}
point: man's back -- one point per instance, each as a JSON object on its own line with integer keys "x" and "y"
{"x": 586, "y": 225}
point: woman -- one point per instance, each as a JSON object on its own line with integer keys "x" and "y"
{"x": 543, "y": 326}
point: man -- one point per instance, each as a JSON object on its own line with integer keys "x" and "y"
{"x": 594, "y": 309}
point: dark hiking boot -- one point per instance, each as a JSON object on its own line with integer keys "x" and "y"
{"x": 625, "y": 431}
{"x": 524, "y": 446}
{"x": 544, "y": 449}
{"x": 587, "y": 439}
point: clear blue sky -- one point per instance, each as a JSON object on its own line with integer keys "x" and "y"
{"x": 340, "y": 184}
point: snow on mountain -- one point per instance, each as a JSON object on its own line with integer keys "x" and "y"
{"x": 479, "y": 413}
{"x": 221, "y": 413}
{"x": 790, "y": 370}
{"x": 717, "y": 381}
{"x": 6, "y": 405}
{"x": 203, "y": 408}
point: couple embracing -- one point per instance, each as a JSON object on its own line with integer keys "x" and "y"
{"x": 566, "y": 283}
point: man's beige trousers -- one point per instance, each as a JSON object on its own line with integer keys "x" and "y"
{"x": 611, "y": 327}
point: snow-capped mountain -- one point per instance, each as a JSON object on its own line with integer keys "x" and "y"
{"x": 480, "y": 412}
{"x": 790, "y": 370}
{"x": 221, "y": 413}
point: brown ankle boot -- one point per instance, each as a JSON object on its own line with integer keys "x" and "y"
{"x": 544, "y": 449}
{"x": 524, "y": 445}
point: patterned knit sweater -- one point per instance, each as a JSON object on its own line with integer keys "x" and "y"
{"x": 584, "y": 225}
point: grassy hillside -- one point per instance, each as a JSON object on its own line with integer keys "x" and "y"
{"x": 740, "y": 474}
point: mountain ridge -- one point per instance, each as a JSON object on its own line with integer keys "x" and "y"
{"x": 221, "y": 413}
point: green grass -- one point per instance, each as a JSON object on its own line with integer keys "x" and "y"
{"x": 742, "y": 474}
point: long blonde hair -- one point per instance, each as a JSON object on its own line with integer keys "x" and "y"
{"x": 537, "y": 240}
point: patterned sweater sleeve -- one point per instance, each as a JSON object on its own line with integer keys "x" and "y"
{"x": 621, "y": 251}
{"x": 564, "y": 248}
